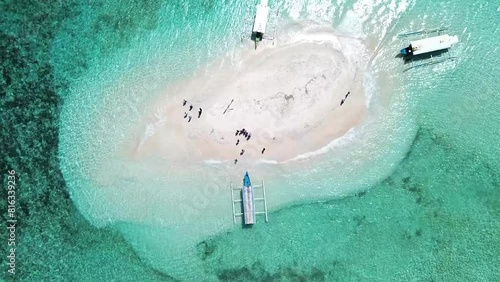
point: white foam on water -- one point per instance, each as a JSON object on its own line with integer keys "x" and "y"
{"x": 295, "y": 8}
{"x": 320, "y": 10}
{"x": 370, "y": 87}
{"x": 272, "y": 162}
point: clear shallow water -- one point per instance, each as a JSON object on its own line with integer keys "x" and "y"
{"x": 425, "y": 222}
{"x": 436, "y": 217}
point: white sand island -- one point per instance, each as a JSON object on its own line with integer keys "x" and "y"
{"x": 286, "y": 95}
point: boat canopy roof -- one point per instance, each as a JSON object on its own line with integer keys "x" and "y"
{"x": 432, "y": 44}
{"x": 261, "y": 15}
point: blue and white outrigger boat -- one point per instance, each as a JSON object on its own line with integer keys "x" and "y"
{"x": 430, "y": 50}
{"x": 248, "y": 200}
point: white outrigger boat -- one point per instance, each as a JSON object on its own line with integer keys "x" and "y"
{"x": 247, "y": 201}
{"x": 263, "y": 27}
{"x": 436, "y": 48}
{"x": 260, "y": 22}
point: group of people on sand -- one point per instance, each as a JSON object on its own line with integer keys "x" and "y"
{"x": 247, "y": 136}
{"x": 243, "y": 132}
{"x": 190, "y": 108}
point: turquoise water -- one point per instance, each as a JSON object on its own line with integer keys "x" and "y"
{"x": 423, "y": 207}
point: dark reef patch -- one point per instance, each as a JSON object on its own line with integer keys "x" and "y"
{"x": 418, "y": 232}
{"x": 360, "y": 220}
{"x": 53, "y": 241}
{"x": 205, "y": 249}
{"x": 361, "y": 194}
{"x": 257, "y": 273}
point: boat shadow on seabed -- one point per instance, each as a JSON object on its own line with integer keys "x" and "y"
{"x": 423, "y": 57}
{"x": 411, "y": 62}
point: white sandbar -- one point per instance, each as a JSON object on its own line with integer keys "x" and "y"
{"x": 287, "y": 96}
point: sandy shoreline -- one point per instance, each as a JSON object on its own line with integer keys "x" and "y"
{"x": 287, "y": 96}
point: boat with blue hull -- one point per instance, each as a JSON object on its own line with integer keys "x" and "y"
{"x": 248, "y": 200}
{"x": 245, "y": 201}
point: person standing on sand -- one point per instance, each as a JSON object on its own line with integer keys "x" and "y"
{"x": 185, "y": 115}
{"x": 242, "y": 152}
{"x": 189, "y": 120}
{"x": 237, "y": 142}
{"x": 235, "y": 161}
{"x": 263, "y": 150}
{"x": 184, "y": 103}
{"x": 342, "y": 102}
{"x": 237, "y": 132}
{"x": 190, "y": 107}
{"x": 249, "y": 136}
{"x": 199, "y": 113}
